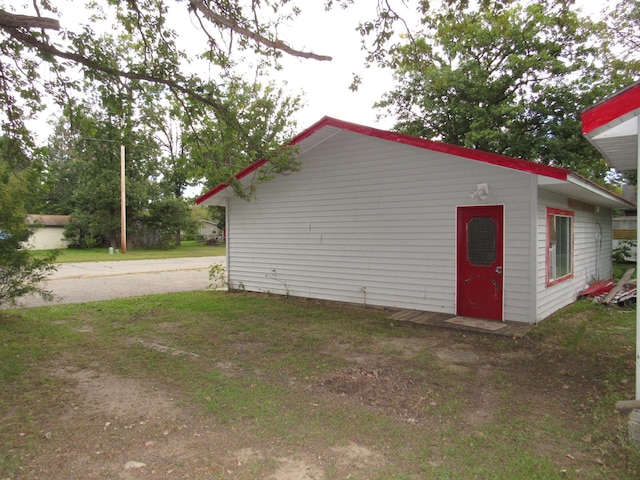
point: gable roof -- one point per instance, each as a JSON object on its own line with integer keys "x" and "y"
{"x": 49, "y": 220}
{"x": 556, "y": 179}
{"x": 612, "y": 126}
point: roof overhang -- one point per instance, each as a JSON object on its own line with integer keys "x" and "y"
{"x": 613, "y": 127}
{"x": 579, "y": 188}
{"x": 48, "y": 220}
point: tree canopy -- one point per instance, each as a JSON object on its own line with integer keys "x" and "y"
{"x": 120, "y": 73}
{"x": 131, "y": 45}
{"x": 501, "y": 75}
{"x": 509, "y": 77}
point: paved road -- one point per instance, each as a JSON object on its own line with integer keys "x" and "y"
{"x": 94, "y": 281}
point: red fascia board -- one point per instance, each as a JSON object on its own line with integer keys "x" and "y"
{"x": 599, "y": 187}
{"x": 239, "y": 176}
{"x": 470, "y": 153}
{"x": 621, "y": 103}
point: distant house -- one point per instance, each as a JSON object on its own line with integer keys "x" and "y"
{"x": 209, "y": 230}
{"x": 49, "y": 232}
{"x": 381, "y": 218}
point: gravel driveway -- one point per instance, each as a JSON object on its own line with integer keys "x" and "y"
{"x": 95, "y": 281}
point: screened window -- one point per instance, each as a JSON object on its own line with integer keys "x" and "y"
{"x": 481, "y": 241}
{"x": 560, "y": 245}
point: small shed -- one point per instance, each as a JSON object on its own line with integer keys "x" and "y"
{"x": 49, "y": 231}
{"x": 381, "y": 218}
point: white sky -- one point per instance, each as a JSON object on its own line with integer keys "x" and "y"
{"x": 326, "y": 84}
{"x": 323, "y": 85}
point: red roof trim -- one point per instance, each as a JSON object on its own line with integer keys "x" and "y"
{"x": 472, "y": 154}
{"x": 239, "y": 176}
{"x": 623, "y": 102}
{"x": 605, "y": 190}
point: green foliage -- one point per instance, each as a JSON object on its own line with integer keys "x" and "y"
{"x": 168, "y": 218}
{"x": 623, "y": 25}
{"x": 141, "y": 57}
{"x": 218, "y": 275}
{"x": 220, "y": 150}
{"x": 20, "y": 273}
{"x": 505, "y": 77}
{"x": 622, "y": 251}
{"x": 170, "y": 144}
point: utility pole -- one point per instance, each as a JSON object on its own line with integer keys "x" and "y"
{"x": 123, "y": 197}
{"x": 123, "y": 204}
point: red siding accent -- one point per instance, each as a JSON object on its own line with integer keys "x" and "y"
{"x": 239, "y": 176}
{"x": 621, "y": 103}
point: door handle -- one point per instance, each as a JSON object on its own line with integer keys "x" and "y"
{"x": 499, "y": 270}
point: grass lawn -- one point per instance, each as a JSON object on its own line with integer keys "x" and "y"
{"x": 619, "y": 270}
{"x": 186, "y": 249}
{"x": 208, "y": 385}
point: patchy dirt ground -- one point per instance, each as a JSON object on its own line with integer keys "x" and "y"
{"x": 103, "y": 425}
{"x": 107, "y": 426}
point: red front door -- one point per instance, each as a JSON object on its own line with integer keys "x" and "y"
{"x": 479, "y": 259}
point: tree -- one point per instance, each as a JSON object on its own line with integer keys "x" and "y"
{"x": 219, "y": 150}
{"x": 228, "y": 29}
{"x": 20, "y": 273}
{"x": 168, "y": 218}
{"x": 623, "y": 31}
{"x": 505, "y": 76}
{"x": 165, "y": 155}
{"x": 83, "y": 175}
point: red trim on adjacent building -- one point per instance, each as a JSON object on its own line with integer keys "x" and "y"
{"x": 472, "y": 154}
{"x": 621, "y": 103}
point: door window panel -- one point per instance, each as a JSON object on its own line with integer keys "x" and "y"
{"x": 481, "y": 241}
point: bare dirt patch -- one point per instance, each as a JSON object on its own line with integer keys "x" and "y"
{"x": 111, "y": 395}
{"x": 387, "y": 389}
{"x": 109, "y": 426}
{"x": 103, "y": 425}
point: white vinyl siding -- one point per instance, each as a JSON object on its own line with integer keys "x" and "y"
{"x": 373, "y": 221}
{"x": 591, "y": 253}
{"x": 47, "y": 238}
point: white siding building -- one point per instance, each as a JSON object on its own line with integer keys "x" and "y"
{"x": 379, "y": 218}
{"x": 49, "y": 231}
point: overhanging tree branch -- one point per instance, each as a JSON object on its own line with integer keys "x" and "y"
{"x": 11, "y": 20}
{"x": 199, "y": 6}
{"x": 44, "y": 47}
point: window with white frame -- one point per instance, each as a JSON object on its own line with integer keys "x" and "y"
{"x": 559, "y": 245}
